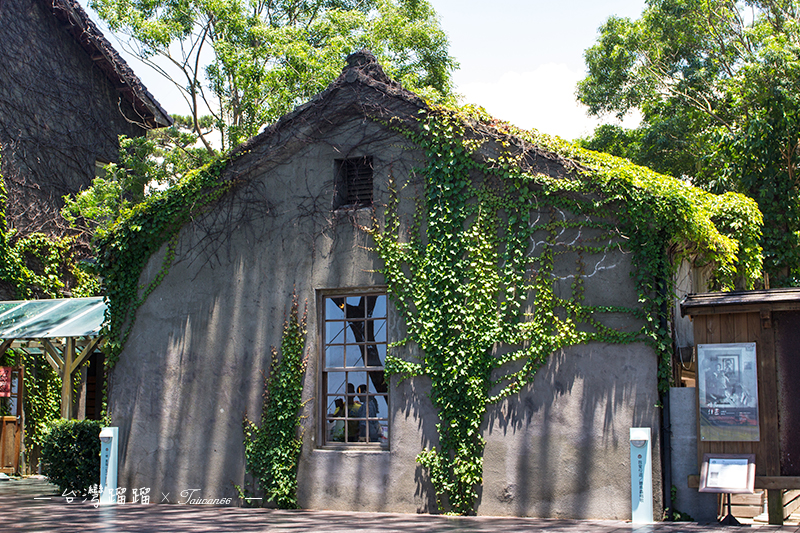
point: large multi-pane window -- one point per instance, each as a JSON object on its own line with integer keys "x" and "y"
{"x": 355, "y": 389}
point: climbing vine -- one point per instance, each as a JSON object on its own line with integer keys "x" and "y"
{"x": 125, "y": 249}
{"x": 273, "y": 450}
{"x": 37, "y": 265}
{"x": 476, "y": 269}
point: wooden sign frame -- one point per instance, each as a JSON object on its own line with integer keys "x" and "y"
{"x": 728, "y": 473}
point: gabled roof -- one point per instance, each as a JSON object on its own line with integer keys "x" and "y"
{"x": 366, "y": 90}
{"x": 91, "y": 39}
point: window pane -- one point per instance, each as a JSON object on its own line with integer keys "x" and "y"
{"x": 377, "y": 330}
{"x": 377, "y": 304}
{"x": 382, "y": 353}
{"x": 334, "y": 356}
{"x": 377, "y": 381}
{"x": 383, "y": 407}
{"x": 355, "y": 307}
{"x": 336, "y": 383}
{"x": 333, "y": 311}
{"x": 358, "y": 379}
{"x": 372, "y": 355}
{"x": 334, "y": 400}
{"x": 334, "y": 332}
{"x": 356, "y": 356}
{"x": 354, "y": 332}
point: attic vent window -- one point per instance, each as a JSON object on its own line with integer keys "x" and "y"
{"x": 353, "y": 183}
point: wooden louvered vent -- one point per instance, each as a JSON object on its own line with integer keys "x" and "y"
{"x": 353, "y": 183}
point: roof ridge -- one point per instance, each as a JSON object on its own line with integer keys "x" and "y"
{"x": 92, "y": 40}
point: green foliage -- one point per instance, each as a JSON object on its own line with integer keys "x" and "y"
{"x": 126, "y": 247}
{"x": 71, "y": 454}
{"x": 36, "y": 265}
{"x": 671, "y": 514}
{"x": 717, "y": 84}
{"x": 273, "y": 450}
{"x": 475, "y": 270}
{"x": 266, "y": 57}
{"x": 42, "y": 397}
{"x": 146, "y": 165}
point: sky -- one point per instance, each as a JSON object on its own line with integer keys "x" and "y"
{"x": 519, "y": 59}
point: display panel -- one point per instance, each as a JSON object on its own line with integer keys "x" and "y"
{"x": 728, "y": 392}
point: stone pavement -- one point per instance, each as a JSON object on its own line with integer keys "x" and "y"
{"x": 32, "y": 505}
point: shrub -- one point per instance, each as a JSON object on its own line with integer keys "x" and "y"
{"x": 71, "y": 454}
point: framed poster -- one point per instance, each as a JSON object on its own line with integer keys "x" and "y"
{"x": 728, "y": 473}
{"x": 728, "y": 392}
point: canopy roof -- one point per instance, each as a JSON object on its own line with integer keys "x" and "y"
{"x": 43, "y": 319}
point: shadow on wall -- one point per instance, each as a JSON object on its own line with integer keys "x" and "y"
{"x": 180, "y": 408}
{"x": 563, "y": 441}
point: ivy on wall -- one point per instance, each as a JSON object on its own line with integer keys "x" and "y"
{"x": 41, "y": 394}
{"x": 36, "y": 265}
{"x": 126, "y": 247}
{"x": 273, "y": 450}
{"x": 474, "y": 270}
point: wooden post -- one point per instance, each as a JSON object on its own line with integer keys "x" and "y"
{"x": 66, "y": 378}
{"x": 768, "y": 407}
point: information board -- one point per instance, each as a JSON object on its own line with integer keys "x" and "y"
{"x": 728, "y": 473}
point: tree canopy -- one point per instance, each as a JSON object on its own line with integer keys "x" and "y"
{"x": 718, "y": 85}
{"x": 252, "y": 61}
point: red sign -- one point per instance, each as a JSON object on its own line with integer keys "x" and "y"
{"x": 5, "y": 381}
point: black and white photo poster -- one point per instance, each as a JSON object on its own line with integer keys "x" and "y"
{"x": 728, "y": 392}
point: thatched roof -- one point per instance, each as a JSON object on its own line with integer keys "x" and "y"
{"x": 91, "y": 39}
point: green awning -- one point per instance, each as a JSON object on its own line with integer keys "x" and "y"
{"x": 61, "y": 317}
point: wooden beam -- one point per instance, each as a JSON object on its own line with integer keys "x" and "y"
{"x": 5, "y": 346}
{"x": 745, "y": 308}
{"x": 87, "y": 351}
{"x": 53, "y": 357}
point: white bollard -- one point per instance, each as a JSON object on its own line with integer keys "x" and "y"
{"x": 109, "y": 443}
{"x": 641, "y": 477}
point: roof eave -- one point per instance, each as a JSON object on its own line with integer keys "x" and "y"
{"x": 130, "y": 87}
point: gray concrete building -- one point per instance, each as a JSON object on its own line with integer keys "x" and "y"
{"x": 195, "y": 361}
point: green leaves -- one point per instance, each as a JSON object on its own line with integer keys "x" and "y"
{"x": 71, "y": 454}
{"x": 475, "y": 270}
{"x": 716, "y": 83}
{"x": 273, "y": 450}
{"x": 267, "y": 57}
{"x": 125, "y": 248}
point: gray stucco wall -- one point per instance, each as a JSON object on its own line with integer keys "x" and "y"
{"x": 701, "y": 506}
{"x": 58, "y": 114}
{"x": 194, "y": 363}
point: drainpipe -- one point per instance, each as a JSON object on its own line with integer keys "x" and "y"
{"x": 666, "y": 426}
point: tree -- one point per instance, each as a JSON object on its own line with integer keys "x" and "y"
{"x": 718, "y": 86}
{"x": 145, "y": 165}
{"x": 251, "y": 61}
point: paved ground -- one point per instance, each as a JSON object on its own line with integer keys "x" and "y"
{"x": 33, "y": 505}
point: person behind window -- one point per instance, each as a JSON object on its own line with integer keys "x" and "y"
{"x": 353, "y": 408}
{"x": 368, "y": 404}
{"x": 337, "y": 433}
